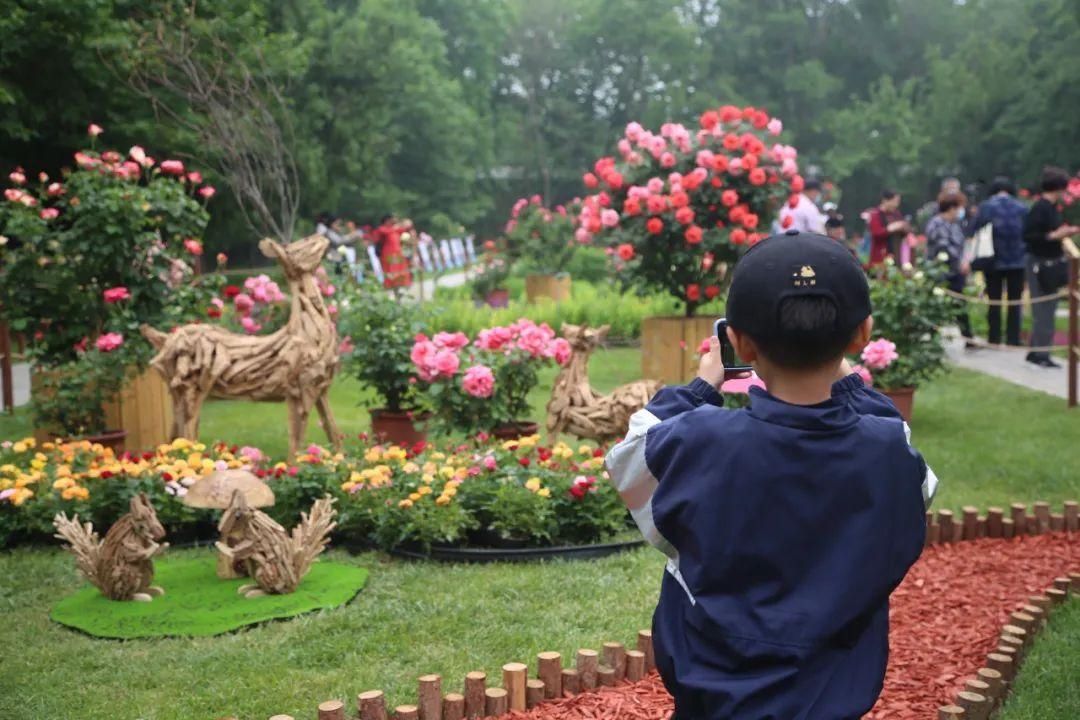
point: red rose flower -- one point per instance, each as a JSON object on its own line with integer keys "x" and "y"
{"x": 716, "y": 183}
{"x": 231, "y": 291}
{"x": 679, "y": 199}
{"x": 598, "y": 452}
{"x": 213, "y": 311}
{"x": 797, "y": 184}
{"x": 709, "y": 118}
{"x": 738, "y": 213}
{"x": 604, "y": 199}
{"x": 738, "y": 236}
{"x": 655, "y": 225}
{"x": 684, "y": 216}
{"x": 753, "y": 239}
{"x": 632, "y": 207}
{"x": 720, "y": 163}
{"x": 750, "y": 161}
{"x": 693, "y": 292}
{"x": 712, "y": 291}
{"x": 106, "y": 474}
{"x": 614, "y": 180}
{"x": 760, "y": 120}
{"x": 793, "y": 201}
{"x": 167, "y": 477}
{"x": 730, "y": 113}
{"x": 749, "y": 221}
{"x": 693, "y": 235}
{"x": 578, "y": 491}
{"x": 731, "y": 142}
{"x": 626, "y": 251}
{"x": 590, "y": 180}
{"x": 729, "y": 198}
{"x": 757, "y": 176}
{"x": 656, "y": 204}
{"x": 787, "y": 222}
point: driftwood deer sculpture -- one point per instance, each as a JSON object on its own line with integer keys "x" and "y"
{"x": 295, "y": 364}
{"x": 579, "y": 410}
{"x": 121, "y": 565}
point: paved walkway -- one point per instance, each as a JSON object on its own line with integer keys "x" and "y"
{"x": 1009, "y": 365}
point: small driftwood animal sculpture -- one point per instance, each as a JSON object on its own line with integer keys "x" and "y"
{"x": 295, "y": 364}
{"x": 577, "y": 409}
{"x": 277, "y": 562}
{"x": 216, "y": 491}
{"x": 121, "y": 565}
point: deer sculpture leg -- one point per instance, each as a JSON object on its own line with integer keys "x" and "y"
{"x": 322, "y": 404}
{"x": 299, "y": 409}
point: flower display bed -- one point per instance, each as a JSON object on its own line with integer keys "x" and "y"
{"x": 509, "y": 494}
{"x": 199, "y": 603}
{"x": 960, "y": 624}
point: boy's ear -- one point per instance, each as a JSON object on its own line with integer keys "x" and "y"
{"x": 743, "y": 345}
{"x": 861, "y": 336}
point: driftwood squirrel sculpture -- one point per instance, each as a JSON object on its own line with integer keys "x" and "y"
{"x": 578, "y": 409}
{"x": 277, "y": 562}
{"x": 121, "y": 565}
{"x": 295, "y": 364}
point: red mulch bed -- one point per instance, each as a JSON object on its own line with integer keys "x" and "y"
{"x": 946, "y": 616}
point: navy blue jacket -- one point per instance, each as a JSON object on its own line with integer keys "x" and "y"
{"x": 786, "y": 528}
{"x": 1006, "y": 214}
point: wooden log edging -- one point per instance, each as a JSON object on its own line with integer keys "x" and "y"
{"x": 983, "y": 694}
{"x": 588, "y": 669}
{"x": 944, "y": 527}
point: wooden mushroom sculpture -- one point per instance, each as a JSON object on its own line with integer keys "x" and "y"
{"x": 216, "y": 491}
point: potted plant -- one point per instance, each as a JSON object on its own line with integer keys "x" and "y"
{"x": 489, "y": 282}
{"x": 483, "y": 385}
{"x": 378, "y": 331}
{"x": 86, "y": 257}
{"x": 678, "y": 207}
{"x": 543, "y": 243}
{"x": 910, "y": 308}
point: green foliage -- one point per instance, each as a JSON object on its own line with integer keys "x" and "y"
{"x": 493, "y": 271}
{"x": 380, "y": 328}
{"x": 589, "y": 264}
{"x": 910, "y": 308}
{"x": 589, "y": 304}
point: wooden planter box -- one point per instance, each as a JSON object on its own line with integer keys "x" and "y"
{"x": 143, "y": 408}
{"x": 554, "y": 287}
{"x": 669, "y": 347}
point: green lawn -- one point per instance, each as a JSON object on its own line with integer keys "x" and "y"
{"x": 989, "y": 442}
{"x": 1049, "y": 681}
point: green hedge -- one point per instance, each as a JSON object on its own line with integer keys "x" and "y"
{"x": 590, "y": 304}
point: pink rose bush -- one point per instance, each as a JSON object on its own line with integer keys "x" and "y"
{"x": 259, "y": 305}
{"x": 543, "y": 239}
{"x": 682, "y": 204}
{"x": 500, "y": 368}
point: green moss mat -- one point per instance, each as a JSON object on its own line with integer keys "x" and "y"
{"x": 198, "y": 603}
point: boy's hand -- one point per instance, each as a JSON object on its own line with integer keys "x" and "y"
{"x": 711, "y": 369}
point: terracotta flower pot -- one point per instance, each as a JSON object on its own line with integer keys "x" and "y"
{"x": 903, "y": 399}
{"x": 554, "y": 287}
{"x": 400, "y": 428}
{"x": 515, "y": 430}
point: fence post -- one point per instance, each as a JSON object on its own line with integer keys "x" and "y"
{"x": 1074, "y": 323}
{"x": 7, "y": 384}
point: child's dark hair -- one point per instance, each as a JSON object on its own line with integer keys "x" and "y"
{"x": 1054, "y": 179}
{"x": 807, "y": 335}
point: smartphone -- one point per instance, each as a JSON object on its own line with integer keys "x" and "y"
{"x": 732, "y": 363}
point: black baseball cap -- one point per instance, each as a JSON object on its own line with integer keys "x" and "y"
{"x": 795, "y": 264}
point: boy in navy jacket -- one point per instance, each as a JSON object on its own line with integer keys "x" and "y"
{"x": 786, "y": 524}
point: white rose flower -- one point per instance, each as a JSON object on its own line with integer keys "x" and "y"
{"x": 907, "y": 267}
{"x": 920, "y": 275}
{"x": 889, "y": 261}
{"x": 943, "y": 256}
{"x": 938, "y": 292}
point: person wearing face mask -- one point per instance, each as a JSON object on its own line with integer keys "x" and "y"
{"x": 945, "y": 237}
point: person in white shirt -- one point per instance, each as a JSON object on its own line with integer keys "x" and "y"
{"x": 342, "y": 246}
{"x": 805, "y": 216}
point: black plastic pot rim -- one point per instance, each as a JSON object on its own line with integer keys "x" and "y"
{"x": 486, "y": 555}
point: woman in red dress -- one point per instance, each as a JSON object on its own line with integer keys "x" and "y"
{"x": 388, "y": 245}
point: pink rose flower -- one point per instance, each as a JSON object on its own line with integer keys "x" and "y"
{"x": 251, "y": 454}
{"x": 446, "y": 363}
{"x": 13, "y": 194}
{"x": 478, "y": 381}
{"x": 94, "y": 130}
{"x": 50, "y": 213}
{"x": 864, "y": 374}
{"x": 137, "y": 154}
{"x": 243, "y": 303}
{"x": 85, "y": 161}
{"x": 775, "y": 126}
{"x": 109, "y": 342}
{"x": 172, "y": 167}
{"x": 879, "y": 354}
{"x": 17, "y": 177}
{"x": 561, "y": 351}
{"x": 582, "y": 236}
{"x": 633, "y": 131}
{"x": 450, "y": 341}
{"x": 250, "y": 326}
{"x": 116, "y": 294}
{"x": 533, "y": 340}
{"x": 489, "y": 462}
{"x": 207, "y": 191}
{"x": 493, "y": 338}
{"x": 423, "y": 358}
{"x": 194, "y": 177}
{"x": 667, "y": 160}
{"x": 55, "y": 189}
{"x": 193, "y": 246}
{"x": 609, "y": 218}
